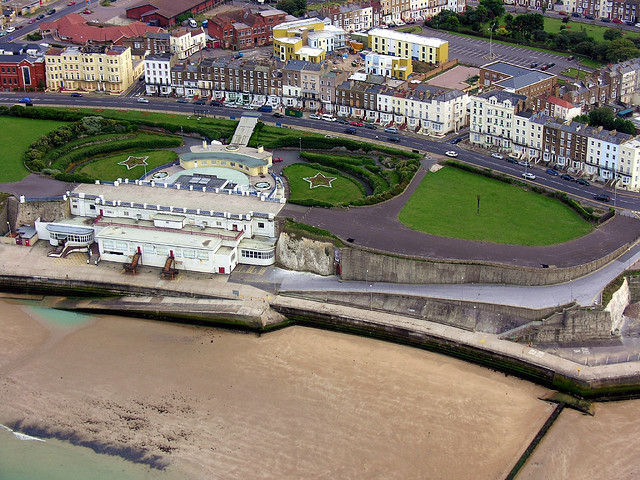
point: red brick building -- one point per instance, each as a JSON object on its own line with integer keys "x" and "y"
{"x": 21, "y": 72}
{"x": 248, "y": 28}
{"x": 163, "y": 13}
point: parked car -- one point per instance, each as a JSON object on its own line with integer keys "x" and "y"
{"x": 142, "y": 100}
{"x": 356, "y": 124}
{"x": 19, "y": 27}
{"x": 313, "y": 116}
{"x": 11, "y": 29}
{"x": 566, "y": 176}
{"x": 631, "y": 24}
{"x": 51, "y": 12}
{"x": 76, "y": 94}
{"x": 328, "y": 118}
{"x": 2, "y": 34}
{"x": 551, "y": 171}
{"x": 616, "y": 20}
{"x": 199, "y": 102}
{"x": 524, "y": 163}
{"x": 637, "y": 25}
{"x": 533, "y": 65}
{"x": 183, "y": 100}
{"x": 25, "y": 100}
{"x": 498, "y": 156}
{"x": 342, "y": 121}
{"x": 370, "y": 126}
{"x": 602, "y": 197}
{"x": 265, "y": 108}
{"x": 215, "y": 103}
{"x": 575, "y": 15}
{"x": 589, "y": 17}
{"x": 393, "y": 139}
{"x": 33, "y": 20}
{"x": 277, "y": 159}
{"x": 278, "y": 115}
{"x": 570, "y": 57}
{"x": 86, "y": 12}
{"x": 456, "y": 141}
{"x": 562, "y": 12}
{"x": 544, "y": 67}
{"x": 549, "y": 65}
{"x": 512, "y": 160}
{"x": 582, "y": 181}
{"x": 528, "y": 176}
{"x": 72, "y": 2}
{"x": 605, "y": 20}
{"x": 247, "y": 107}
{"x": 451, "y": 153}
{"x": 351, "y": 131}
{"x": 391, "y": 130}
{"x": 40, "y": 17}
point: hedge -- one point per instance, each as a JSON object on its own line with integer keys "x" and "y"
{"x": 586, "y": 213}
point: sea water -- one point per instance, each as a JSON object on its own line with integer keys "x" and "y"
{"x": 52, "y": 459}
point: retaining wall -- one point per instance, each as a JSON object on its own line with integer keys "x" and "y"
{"x": 619, "y": 301}
{"x": 356, "y": 262}
{"x": 305, "y": 254}
{"x": 28, "y": 212}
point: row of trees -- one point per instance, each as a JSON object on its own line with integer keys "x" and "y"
{"x": 529, "y": 29}
{"x": 605, "y": 118}
{"x": 297, "y": 8}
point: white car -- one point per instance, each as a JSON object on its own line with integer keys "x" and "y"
{"x": 11, "y": 29}
{"x": 637, "y": 25}
{"x": 451, "y": 153}
{"x": 528, "y": 176}
{"x": 498, "y": 156}
{"x": 315, "y": 117}
{"x": 142, "y": 100}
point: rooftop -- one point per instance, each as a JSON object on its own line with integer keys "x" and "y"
{"x": 192, "y": 199}
{"x": 158, "y": 236}
{"x": 519, "y": 77}
{"x": 503, "y": 95}
{"x": 407, "y": 37}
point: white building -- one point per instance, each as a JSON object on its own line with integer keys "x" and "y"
{"x": 528, "y": 130}
{"x": 629, "y": 164}
{"x": 604, "y": 150}
{"x": 157, "y": 73}
{"x": 202, "y": 230}
{"x": 492, "y": 115}
{"x": 185, "y": 42}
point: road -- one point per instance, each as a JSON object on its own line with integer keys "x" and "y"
{"x": 626, "y": 200}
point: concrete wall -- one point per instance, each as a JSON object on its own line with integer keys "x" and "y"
{"x": 473, "y": 316}
{"x": 4, "y": 217}
{"x": 619, "y": 301}
{"x": 571, "y": 325}
{"x": 304, "y": 254}
{"x": 47, "y": 211}
{"x": 634, "y": 289}
{"x": 386, "y": 268}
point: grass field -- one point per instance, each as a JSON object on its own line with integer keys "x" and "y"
{"x": 552, "y": 25}
{"x": 445, "y": 204}
{"x": 107, "y": 168}
{"x": 573, "y": 73}
{"x": 16, "y": 134}
{"x": 342, "y": 189}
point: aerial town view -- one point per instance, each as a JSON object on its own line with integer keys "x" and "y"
{"x": 296, "y": 239}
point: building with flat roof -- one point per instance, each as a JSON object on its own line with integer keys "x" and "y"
{"x": 516, "y": 79}
{"x": 309, "y": 39}
{"x": 164, "y": 13}
{"x": 201, "y": 228}
{"x": 407, "y": 45}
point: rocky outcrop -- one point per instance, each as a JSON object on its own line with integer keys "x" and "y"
{"x": 305, "y": 254}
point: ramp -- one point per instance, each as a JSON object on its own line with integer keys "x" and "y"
{"x": 245, "y": 128}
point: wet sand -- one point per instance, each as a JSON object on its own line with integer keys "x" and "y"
{"x": 296, "y": 403}
{"x": 579, "y": 446}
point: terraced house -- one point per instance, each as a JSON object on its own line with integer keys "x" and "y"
{"x": 91, "y": 68}
{"x": 354, "y": 17}
{"x": 407, "y": 45}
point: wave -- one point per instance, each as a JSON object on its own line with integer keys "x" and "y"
{"x": 21, "y": 436}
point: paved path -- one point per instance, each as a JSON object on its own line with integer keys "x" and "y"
{"x": 36, "y": 186}
{"x": 378, "y": 227}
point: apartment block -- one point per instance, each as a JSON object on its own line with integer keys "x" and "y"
{"x": 388, "y": 66}
{"x": 245, "y": 28}
{"x": 407, "y": 45}
{"x": 556, "y": 107}
{"x": 184, "y": 42}
{"x": 90, "y": 68}
{"x": 491, "y": 118}
{"x": 157, "y": 73}
{"x": 308, "y": 39}
{"x": 516, "y": 79}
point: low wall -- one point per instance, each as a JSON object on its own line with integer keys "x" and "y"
{"x": 363, "y": 265}
{"x": 472, "y": 316}
{"x": 47, "y": 211}
{"x": 304, "y": 254}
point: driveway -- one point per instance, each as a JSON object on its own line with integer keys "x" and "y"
{"x": 37, "y": 186}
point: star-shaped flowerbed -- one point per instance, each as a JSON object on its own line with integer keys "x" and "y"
{"x": 132, "y": 162}
{"x": 319, "y": 180}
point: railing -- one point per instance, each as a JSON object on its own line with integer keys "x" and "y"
{"x": 44, "y": 199}
{"x": 235, "y": 237}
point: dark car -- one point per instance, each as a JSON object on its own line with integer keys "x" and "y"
{"x": 76, "y": 94}
{"x": 278, "y": 115}
{"x": 605, "y": 20}
{"x": 631, "y": 24}
{"x": 549, "y": 65}
{"x": 582, "y": 181}
{"x": 215, "y": 103}
{"x": 456, "y": 141}
{"x": 370, "y": 126}
{"x": 589, "y": 17}
{"x": 343, "y": 121}
{"x": 512, "y": 160}
{"x": 393, "y": 139}
{"x": 602, "y": 197}
{"x": 570, "y": 57}
{"x": 575, "y": 14}
{"x": 533, "y": 65}
{"x": 51, "y": 12}
{"x": 351, "y": 131}
{"x": 40, "y": 17}
{"x": 566, "y": 176}
{"x": 199, "y": 102}
{"x": 183, "y": 100}
{"x": 551, "y": 171}
{"x": 544, "y": 67}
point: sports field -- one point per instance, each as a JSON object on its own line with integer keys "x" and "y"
{"x": 446, "y": 204}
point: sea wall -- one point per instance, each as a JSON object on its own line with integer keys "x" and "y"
{"x": 363, "y": 265}
{"x": 4, "y": 217}
{"x": 304, "y": 254}
{"x": 472, "y": 316}
{"x": 51, "y": 211}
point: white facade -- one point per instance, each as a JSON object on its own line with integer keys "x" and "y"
{"x": 491, "y": 118}
{"x": 527, "y": 135}
{"x": 630, "y": 164}
{"x": 157, "y": 74}
{"x": 605, "y": 155}
{"x": 185, "y": 43}
{"x": 378, "y": 64}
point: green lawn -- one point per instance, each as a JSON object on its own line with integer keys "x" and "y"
{"x": 445, "y": 204}
{"x": 552, "y": 25}
{"x": 107, "y": 168}
{"x": 573, "y": 73}
{"x": 16, "y": 134}
{"x": 342, "y": 190}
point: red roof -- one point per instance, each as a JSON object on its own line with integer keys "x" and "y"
{"x": 74, "y": 28}
{"x": 560, "y": 102}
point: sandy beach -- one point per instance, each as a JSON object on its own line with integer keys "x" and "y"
{"x": 296, "y": 403}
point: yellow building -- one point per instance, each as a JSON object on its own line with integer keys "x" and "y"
{"x": 309, "y": 39}
{"x": 425, "y": 49}
{"x": 90, "y": 68}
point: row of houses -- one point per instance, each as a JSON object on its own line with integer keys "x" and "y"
{"x": 624, "y": 10}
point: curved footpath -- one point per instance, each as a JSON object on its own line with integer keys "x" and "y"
{"x": 377, "y": 227}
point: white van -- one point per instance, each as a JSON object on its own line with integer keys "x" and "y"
{"x": 328, "y": 118}
{"x": 193, "y": 23}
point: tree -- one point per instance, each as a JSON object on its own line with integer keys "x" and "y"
{"x": 605, "y": 118}
{"x": 184, "y": 16}
{"x": 452, "y": 23}
{"x": 621, "y": 49}
{"x": 584, "y": 48}
{"x": 540, "y": 36}
{"x": 508, "y": 21}
{"x": 561, "y": 41}
{"x": 297, "y": 8}
{"x": 494, "y": 7}
{"x": 612, "y": 34}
